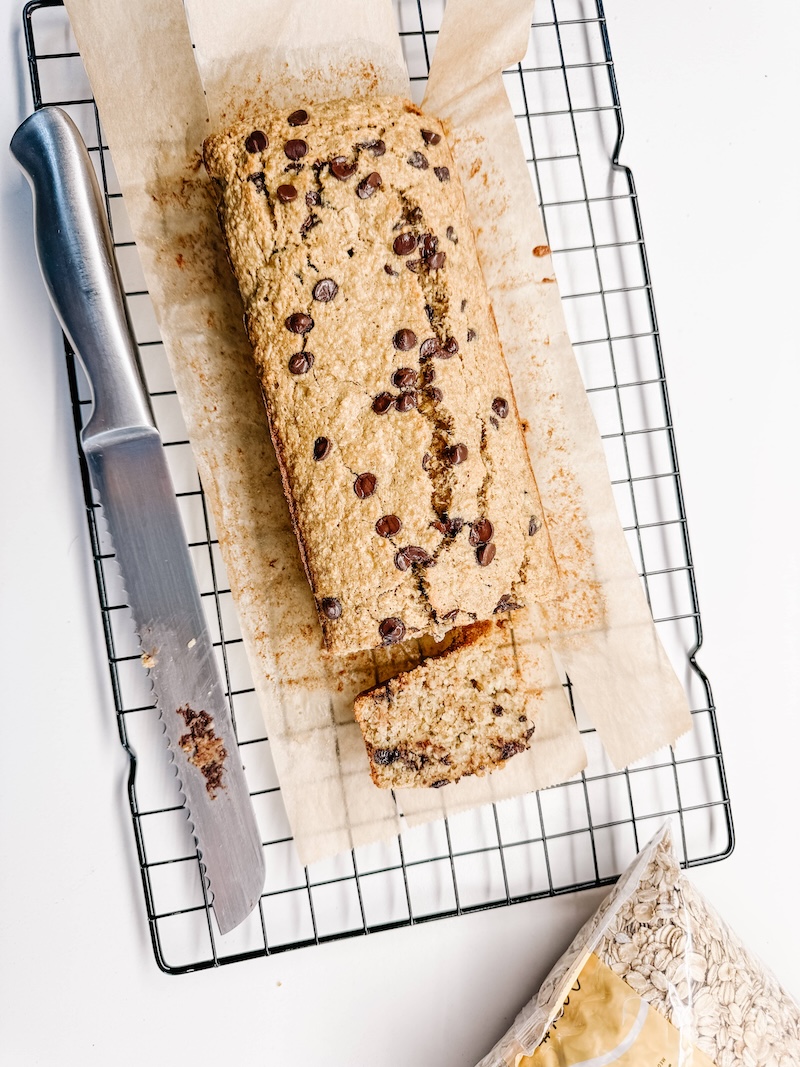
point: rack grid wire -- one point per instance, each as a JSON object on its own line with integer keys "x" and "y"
{"x": 574, "y": 836}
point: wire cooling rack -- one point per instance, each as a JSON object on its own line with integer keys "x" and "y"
{"x": 577, "y": 835}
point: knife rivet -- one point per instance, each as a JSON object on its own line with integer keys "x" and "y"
{"x": 192, "y": 643}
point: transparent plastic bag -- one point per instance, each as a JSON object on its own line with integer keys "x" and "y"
{"x": 655, "y": 979}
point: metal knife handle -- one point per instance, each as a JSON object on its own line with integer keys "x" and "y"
{"x": 76, "y": 257}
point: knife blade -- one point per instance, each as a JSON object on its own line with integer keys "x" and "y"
{"x": 129, "y": 471}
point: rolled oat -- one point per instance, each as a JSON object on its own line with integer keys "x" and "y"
{"x": 702, "y": 997}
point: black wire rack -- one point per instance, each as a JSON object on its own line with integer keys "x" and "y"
{"x": 577, "y": 835}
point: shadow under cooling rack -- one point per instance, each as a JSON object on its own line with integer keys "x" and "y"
{"x": 577, "y": 835}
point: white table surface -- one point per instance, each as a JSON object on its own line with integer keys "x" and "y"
{"x": 709, "y": 93}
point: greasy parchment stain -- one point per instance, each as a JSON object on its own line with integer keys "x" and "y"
{"x": 361, "y": 75}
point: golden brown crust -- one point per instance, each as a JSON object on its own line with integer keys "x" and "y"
{"x": 386, "y": 388}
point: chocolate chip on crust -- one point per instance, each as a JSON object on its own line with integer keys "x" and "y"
{"x": 322, "y": 448}
{"x": 299, "y": 322}
{"x": 388, "y": 526}
{"x": 296, "y": 148}
{"x": 301, "y": 362}
{"x": 392, "y": 631}
{"x": 331, "y": 607}
{"x": 364, "y": 485}
{"x": 256, "y": 142}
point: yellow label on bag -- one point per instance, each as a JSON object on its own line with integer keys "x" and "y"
{"x": 604, "y": 1022}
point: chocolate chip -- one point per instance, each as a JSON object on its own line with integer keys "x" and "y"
{"x": 404, "y": 377}
{"x": 429, "y": 312}
{"x": 382, "y": 403}
{"x": 442, "y": 173}
{"x": 313, "y": 198}
{"x": 412, "y": 215}
{"x": 485, "y": 554}
{"x": 385, "y": 756}
{"x": 287, "y": 193}
{"x": 405, "y": 243}
{"x": 450, "y": 346}
{"x": 367, "y": 187}
{"x": 295, "y": 149}
{"x": 494, "y": 422}
{"x": 506, "y": 603}
{"x": 428, "y": 373}
{"x": 412, "y": 554}
{"x": 331, "y": 607}
{"x": 414, "y": 265}
{"x": 455, "y": 454}
{"x": 481, "y": 533}
{"x": 450, "y": 615}
{"x": 511, "y": 748}
{"x": 390, "y": 270}
{"x": 404, "y": 340}
{"x": 325, "y": 290}
{"x": 388, "y": 526}
{"x": 533, "y": 526}
{"x": 392, "y": 630}
{"x": 436, "y": 262}
{"x": 440, "y": 526}
{"x": 351, "y": 252}
{"x": 430, "y": 137}
{"x": 406, "y": 401}
{"x": 451, "y": 235}
{"x": 500, "y": 407}
{"x": 298, "y": 118}
{"x": 428, "y": 245}
{"x": 341, "y": 168}
{"x": 451, "y": 527}
{"x": 523, "y": 718}
{"x": 426, "y": 461}
{"x": 435, "y": 394}
{"x": 322, "y": 448}
{"x": 416, "y": 159}
{"x": 439, "y": 783}
{"x": 463, "y": 305}
{"x": 497, "y": 710}
{"x": 471, "y": 334}
{"x": 259, "y": 181}
{"x": 299, "y": 322}
{"x": 364, "y": 485}
{"x": 429, "y": 348}
{"x": 377, "y": 148}
{"x": 256, "y": 142}
{"x": 308, "y": 224}
{"x": 301, "y": 362}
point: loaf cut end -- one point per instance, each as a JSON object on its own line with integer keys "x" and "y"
{"x": 460, "y": 713}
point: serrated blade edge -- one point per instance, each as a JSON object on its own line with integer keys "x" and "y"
{"x": 130, "y": 473}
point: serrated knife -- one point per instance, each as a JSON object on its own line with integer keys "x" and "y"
{"x": 128, "y": 469}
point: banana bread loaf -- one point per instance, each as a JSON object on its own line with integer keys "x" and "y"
{"x": 389, "y": 400}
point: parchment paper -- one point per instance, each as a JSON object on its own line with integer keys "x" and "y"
{"x": 154, "y": 96}
{"x": 601, "y": 630}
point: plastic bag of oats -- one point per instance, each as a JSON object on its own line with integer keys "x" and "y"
{"x": 655, "y": 979}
